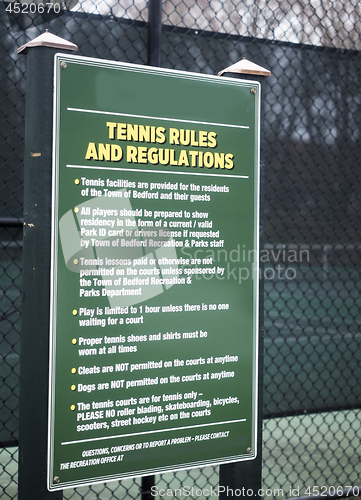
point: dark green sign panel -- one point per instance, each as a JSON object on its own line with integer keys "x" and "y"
{"x": 154, "y": 309}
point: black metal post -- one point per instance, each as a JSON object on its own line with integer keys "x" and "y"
{"x": 154, "y": 59}
{"x": 154, "y": 32}
{"x": 147, "y": 483}
{"x": 34, "y": 359}
{"x": 244, "y": 479}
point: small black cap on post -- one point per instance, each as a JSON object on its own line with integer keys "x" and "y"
{"x": 34, "y": 360}
{"x": 247, "y": 475}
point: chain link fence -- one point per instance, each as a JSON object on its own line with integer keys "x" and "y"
{"x": 311, "y": 257}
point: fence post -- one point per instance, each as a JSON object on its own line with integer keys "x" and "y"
{"x": 34, "y": 360}
{"x": 246, "y": 476}
{"x": 154, "y": 32}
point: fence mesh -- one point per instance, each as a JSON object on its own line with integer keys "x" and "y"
{"x": 311, "y": 257}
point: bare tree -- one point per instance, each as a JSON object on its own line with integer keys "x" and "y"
{"x": 330, "y": 23}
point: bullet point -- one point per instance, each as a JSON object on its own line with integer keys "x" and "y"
{"x": 74, "y": 341}
{"x": 75, "y": 262}
{"x": 73, "y": 387}
{"x": 75, "y": 312}
{"x": 72, "y": 407}
{"x": 76, "y": 210}
{"x": 73, "y": 370}
{"x": 77, "y": 181}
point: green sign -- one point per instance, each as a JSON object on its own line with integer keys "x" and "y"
{"x": 154, "y": 292}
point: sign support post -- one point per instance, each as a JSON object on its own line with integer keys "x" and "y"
{"x": 245, "y": 476}
{"x": 34, "y": 367}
